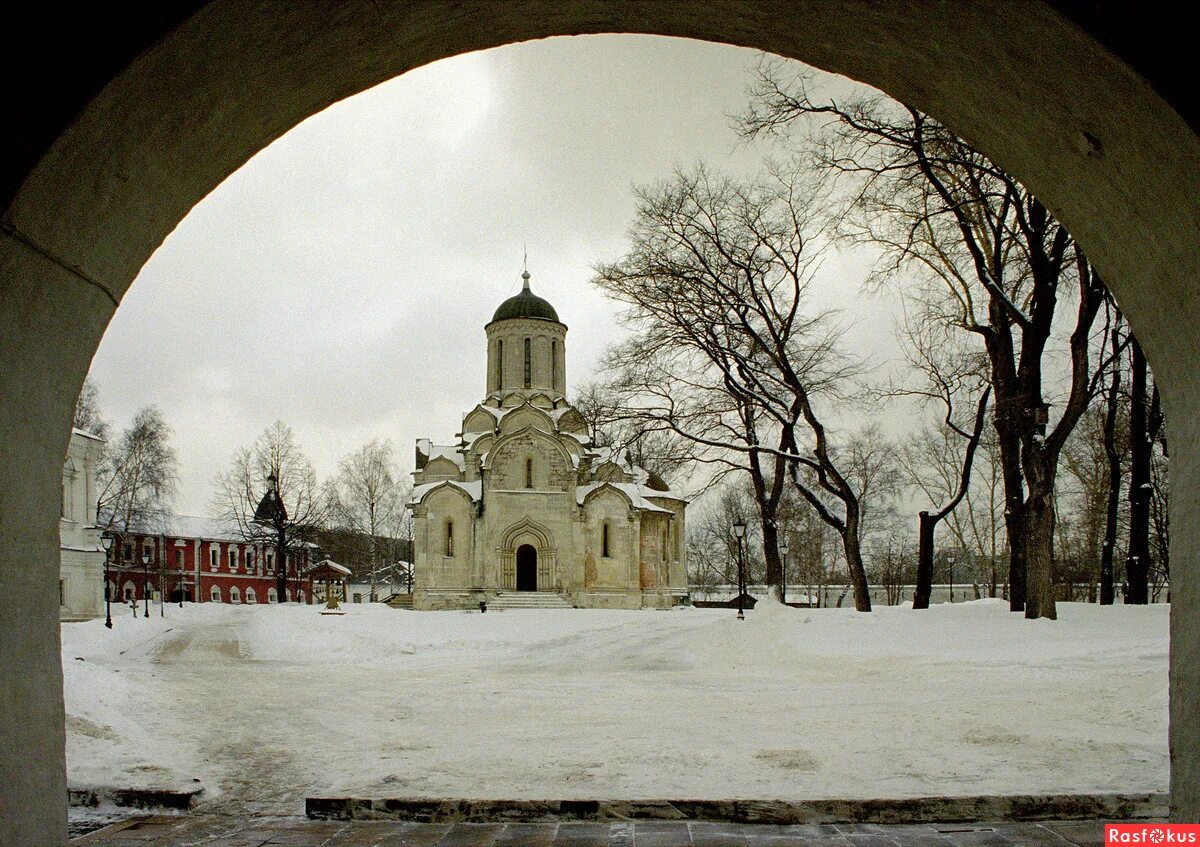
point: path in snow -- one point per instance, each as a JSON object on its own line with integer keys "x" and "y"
{"x": 267, "y": 705}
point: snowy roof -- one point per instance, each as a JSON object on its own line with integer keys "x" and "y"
{"x": 330, "y": 565}
{"x": 83, "y": 433}
{"x": 636, "y": 493}
{"x": 447, "y": 451}
{"x": 474, "y": 489}
{"x": 190, "y": 526}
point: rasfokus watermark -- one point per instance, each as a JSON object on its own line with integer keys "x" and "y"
{"x": 1151, "y": 833}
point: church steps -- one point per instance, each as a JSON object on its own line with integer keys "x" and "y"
{"x": 529, "y": 600}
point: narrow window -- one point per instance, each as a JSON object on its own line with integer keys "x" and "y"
{"x": 215, "y": 594}
{"x": 499, "y": 365}
{"x": 528, "y": 362}
{"x": 449, "y": 538}
{"x": 529, "y": 473}
{"x": 128, "y": 552}
{"x": 62, "y": 592}
{"x": 604, "y": 540}
{"x": 554, "y": 364}
{"x": 664, "y": 544}
{"x": 179, "y": 559}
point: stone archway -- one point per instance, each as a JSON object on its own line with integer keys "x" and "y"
{"x": 1023, "y": 82}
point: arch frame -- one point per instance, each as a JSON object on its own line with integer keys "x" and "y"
{"x": 1022, "y": 82}
{"x": 516, "y": 535}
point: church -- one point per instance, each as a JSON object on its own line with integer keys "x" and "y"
{"x": 523, "y": 509}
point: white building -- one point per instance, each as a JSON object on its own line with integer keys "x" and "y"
{"x": 524, "y": 502}
{"x": 81, "y": 558}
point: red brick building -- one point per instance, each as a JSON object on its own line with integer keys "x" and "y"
{"x": 197, "y": 557}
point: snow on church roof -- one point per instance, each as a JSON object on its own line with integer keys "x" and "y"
{"x": 473, "y": 489}
{"x": 636, "y": 494}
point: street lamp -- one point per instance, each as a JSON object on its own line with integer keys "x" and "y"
{"x": 106, "y": 541}
{"x": 147, "y": 555}
{"x": 950, "y": 565}
{"x": 783, "y": 551}
{"x": 739, "y": 530}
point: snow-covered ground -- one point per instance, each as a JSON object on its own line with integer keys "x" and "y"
{"x": 266, "y": 705}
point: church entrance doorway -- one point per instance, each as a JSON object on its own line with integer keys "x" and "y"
{"x": 526, "y": 568}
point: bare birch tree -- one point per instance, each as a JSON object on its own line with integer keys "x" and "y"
{"x": 87, "y": 411}
{"x": 139, "y": 475}
{"x": 369, "y": 494}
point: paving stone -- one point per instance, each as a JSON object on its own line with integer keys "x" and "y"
{"x": 314, "y": 834}
{"x": 389, "y": 834}
{"x": 918, "y": 835}
{"x": 527, "y": 834}
{"x": 661, "y": 834}
{"x": 869, "y": 839}
{"x": 621, "y": 835}
{"x": 471, "y": 835}
{"x": 717, "y": 835}
{"x": 969, "y": 836}
{"x": 1081, "y": 833}
{"x": 582, "y": 835}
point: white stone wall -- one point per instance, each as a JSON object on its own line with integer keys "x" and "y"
{"x": 81, "y": 558}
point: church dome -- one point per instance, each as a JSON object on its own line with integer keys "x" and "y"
{"x": 525, "y": 305}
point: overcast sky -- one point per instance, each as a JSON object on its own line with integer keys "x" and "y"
{"x": 340, "y": 281}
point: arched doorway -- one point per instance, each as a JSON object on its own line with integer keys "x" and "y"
{"x": 132, "y": 155}
{"x": 527, "y": 568}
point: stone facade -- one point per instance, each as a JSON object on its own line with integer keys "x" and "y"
{"x": 524, "y": 501}
{"x": 81, "y": 558}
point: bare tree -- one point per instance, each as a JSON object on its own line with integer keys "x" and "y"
{"x": 725, "y": 353}
{"x": 936, "y": 205}
{"x": 139, "y": 475}
{"x": 274, "y": 462}
{"x": 87, "y": 411}
{"x": 368, "y": 494}
{"x": 939, "y": 463}
{"x": 662, "y": 452}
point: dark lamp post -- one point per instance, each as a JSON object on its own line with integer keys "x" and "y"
{"x": 783, "y": 551}
{"x": 950, "y": 564}
{"x": 147, "y": 555}
{"x": 739, "y": 531}
{"x": 106, "y": 541}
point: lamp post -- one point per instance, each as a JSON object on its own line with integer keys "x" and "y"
{"x": 950, "y": 564}
{"x": 739, "y": 530}
{"x": 147, "y": 555}
{"x": 106, "y": 541}
{"x": 783, "y": 551}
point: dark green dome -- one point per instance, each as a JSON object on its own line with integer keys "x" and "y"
{"x": 525, "y": 305}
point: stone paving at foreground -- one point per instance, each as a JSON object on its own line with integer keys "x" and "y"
{"x": 226, "y": 831}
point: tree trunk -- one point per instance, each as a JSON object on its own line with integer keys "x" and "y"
{"x": 1014, "y": 527}
{"x": 926, "y": 524}
{"x": 1137, "y": 563}
{"x": 774, "y": 575}
{"x": 1039, "y": 554}
{"x": 1112, "y": 506}
{"x": 854, "y": 562}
